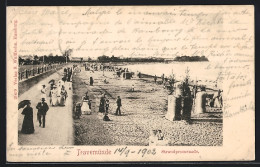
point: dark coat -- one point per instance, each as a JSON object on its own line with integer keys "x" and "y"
{"x": 42, "y": 108}
{"x": 28, "y": 126}
{"x": 91, "y": 81}
{"x": 118, "y": 101}
{"x": 102, "y": 105}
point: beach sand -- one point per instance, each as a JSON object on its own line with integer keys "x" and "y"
{"x": 142, "y": 111}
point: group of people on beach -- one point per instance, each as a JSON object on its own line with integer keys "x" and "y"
{"x": 84, "y": 107}
{"x": 104, "y": 106}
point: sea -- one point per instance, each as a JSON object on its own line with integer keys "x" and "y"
{"x": 197, "y": 71}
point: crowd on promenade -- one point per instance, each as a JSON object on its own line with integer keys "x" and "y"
{"x": 57, "y": 97}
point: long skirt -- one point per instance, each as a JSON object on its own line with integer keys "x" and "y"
{"x": 85, "y": 108}
{"x": 101, "y": 108}
{"x": 62, "y": 101}
{"x": 27, "y": 126}
{"x": 58, "y": 99}
{"x": 54, "y": 101}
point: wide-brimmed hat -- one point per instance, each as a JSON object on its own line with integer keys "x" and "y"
{"x": 43, "y": 99}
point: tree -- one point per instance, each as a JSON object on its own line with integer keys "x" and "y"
{"x": 27, "y": 61}
{"x": 67, "y": 54}
{"x": 36, "y": 59}
{"x": 104, "y": 58}
{"x": 21, "y": 61}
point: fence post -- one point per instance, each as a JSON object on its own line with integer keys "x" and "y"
{"x": 26, "y": 74}
{"x": 29, "y": 73}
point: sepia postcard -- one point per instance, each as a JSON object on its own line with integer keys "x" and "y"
{"x": 130, "y": 83}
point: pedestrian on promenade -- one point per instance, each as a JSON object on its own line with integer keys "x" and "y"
{"x": 53, "y": 95}
{"x": 43, "y": 91}
{"x": 28, "y": 127}
{"x": 64, "y": 96}
{"x": 102, "y": 103}
{"x": 42, "y": 110}
{"x": 91, "y": 81}
{"x": 58, "y": 93}
{"x": 52, "y": 83}
{"x": 119, "y": 104}
{"x": 155, "y": 78}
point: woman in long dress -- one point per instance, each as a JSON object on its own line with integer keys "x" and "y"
{"x": 102, "y": 104}
{"x": 54, "y": 99}
{"x": 85, "y": 108}
{"x": 64, "y": 95}
{"x": 28, "y": 127}
{"x": 59, "y": 87}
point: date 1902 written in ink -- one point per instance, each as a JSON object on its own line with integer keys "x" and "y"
{"x": 124, "y": 151}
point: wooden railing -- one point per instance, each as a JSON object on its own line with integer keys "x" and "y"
{"x": 29, "y": 73}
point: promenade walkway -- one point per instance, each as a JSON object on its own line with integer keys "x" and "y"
{"x": 59, "y": 127}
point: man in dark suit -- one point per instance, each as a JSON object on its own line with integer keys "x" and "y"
{"x": 119, "y": 104}
{"x": 42, "y": 110}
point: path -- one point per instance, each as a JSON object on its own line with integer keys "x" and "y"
{"x": 58, "y": 129}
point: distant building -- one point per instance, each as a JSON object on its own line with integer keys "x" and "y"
{"x": 76, "y": 59}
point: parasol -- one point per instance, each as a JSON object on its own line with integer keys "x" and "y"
{"x": 23, "y": 103}
{"x": 52, "y": 81}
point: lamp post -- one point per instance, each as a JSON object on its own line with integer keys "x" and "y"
{"x": 103, "y": 70}
{"x": 66, "y": 57}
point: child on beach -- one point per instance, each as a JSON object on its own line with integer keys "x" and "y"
{"x": 133, "y": 88}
